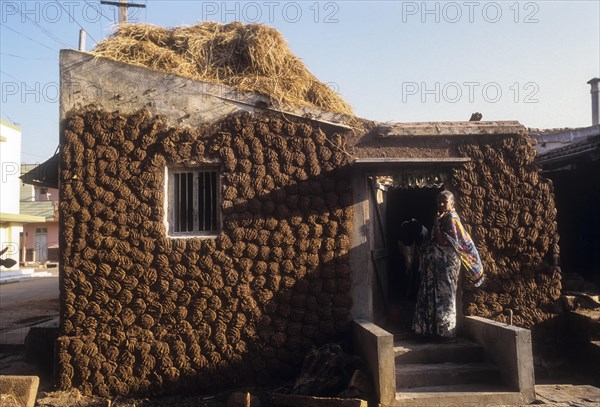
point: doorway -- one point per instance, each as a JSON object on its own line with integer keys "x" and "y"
{"x": 41, "y": 244}
{"x": 404, "y": 205}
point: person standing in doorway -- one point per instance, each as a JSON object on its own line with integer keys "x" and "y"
{"x": 412, "y": 237}
{"x": 449, "y": 247}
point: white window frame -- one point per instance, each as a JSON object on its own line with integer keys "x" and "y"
{"x": 199, "y": 227}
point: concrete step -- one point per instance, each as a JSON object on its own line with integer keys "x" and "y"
{"x": 443, "y": 374}
{"x": 456, "y": 395}
{"x": 401, "y": 331}
{"x": 406, "y": 335}
{"x": 413, "y": 352}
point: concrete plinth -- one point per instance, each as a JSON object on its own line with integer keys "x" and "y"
{"x": 21, "y": 390}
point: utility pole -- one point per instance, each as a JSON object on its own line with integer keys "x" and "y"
{"x": 82, "y": 38}
{"x": 123, "y": 5}
{"x": 123, "y": 12}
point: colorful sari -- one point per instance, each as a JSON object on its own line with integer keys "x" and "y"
{"x": 449, "y": 247}
{"x": 455, "y": 234}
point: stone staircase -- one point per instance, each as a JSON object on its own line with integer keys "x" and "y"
{"x": 491, "y": 364}
{"x": 446, "y": 374}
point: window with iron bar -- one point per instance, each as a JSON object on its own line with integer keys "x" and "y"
{"x": 192, "y": 207}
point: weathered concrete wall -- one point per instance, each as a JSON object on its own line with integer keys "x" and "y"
{"x": 360, "y": 255}
{"x": 509, "y": 347}
{"x": 21, "y": 389}
{"x": 376, "y": 348}
{"x": 116, "y": 86}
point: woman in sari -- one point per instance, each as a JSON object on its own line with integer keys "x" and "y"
{"x": 449, "y": 247}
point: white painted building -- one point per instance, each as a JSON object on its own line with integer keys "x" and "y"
{"x": 11, "y": 221}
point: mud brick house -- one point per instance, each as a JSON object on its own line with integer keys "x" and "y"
{"x": 211, "y": 236}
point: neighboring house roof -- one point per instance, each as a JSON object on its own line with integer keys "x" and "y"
{"x": 552, "y": 139}
{"x": 576, "y": 149}
{"x": 43, "y": 209}
{"x": 539, "y": 133}
{"x": 43, "y": 175}
{"x": 460, "y": 128}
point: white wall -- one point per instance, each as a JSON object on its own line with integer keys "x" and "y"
{"x": 10, "y": 163}
{"x": 10, "y": 168}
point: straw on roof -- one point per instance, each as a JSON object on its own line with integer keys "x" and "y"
{"x": 250, "y": 57}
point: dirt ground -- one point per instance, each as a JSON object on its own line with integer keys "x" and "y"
{"x": 31, "y": 313}
{"x": 18, "y": 310}
{"x": 28, "y": 302}
{"x": 23, "y": 304}
{"x": 75, "y": 399}
{"x": 12, "y": 362}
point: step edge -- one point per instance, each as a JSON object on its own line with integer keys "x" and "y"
{"x": 439, "y": 396}
{"x": 455, "y": 393}
{"x": 402, "y": 350}
{"x": 428, "y": 367}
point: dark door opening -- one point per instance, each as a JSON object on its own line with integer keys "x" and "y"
{"x": 404, "y": 204}
{"x": 577, "y": 193}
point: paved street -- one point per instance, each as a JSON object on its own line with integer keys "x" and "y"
{"x": 26, "y": 303}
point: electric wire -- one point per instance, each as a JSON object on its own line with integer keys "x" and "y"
{"x": 21, "y": 82}
{"x": 29, "y": 38}
{"x": 31, "y": 58}
{"x": 9, "y": 75}
{"x": 48, "y": 33}
{"x": 11, "y": 119}
{"x": 74, "y": 19}
{"x": 99, "y": 11}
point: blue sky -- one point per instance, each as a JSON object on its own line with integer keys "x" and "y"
{"x": 391, "y": 60}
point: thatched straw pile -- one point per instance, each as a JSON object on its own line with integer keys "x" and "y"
{"x": 250, "y": 57}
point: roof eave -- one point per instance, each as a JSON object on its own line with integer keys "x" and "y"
{"x": 420, "y": 129}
